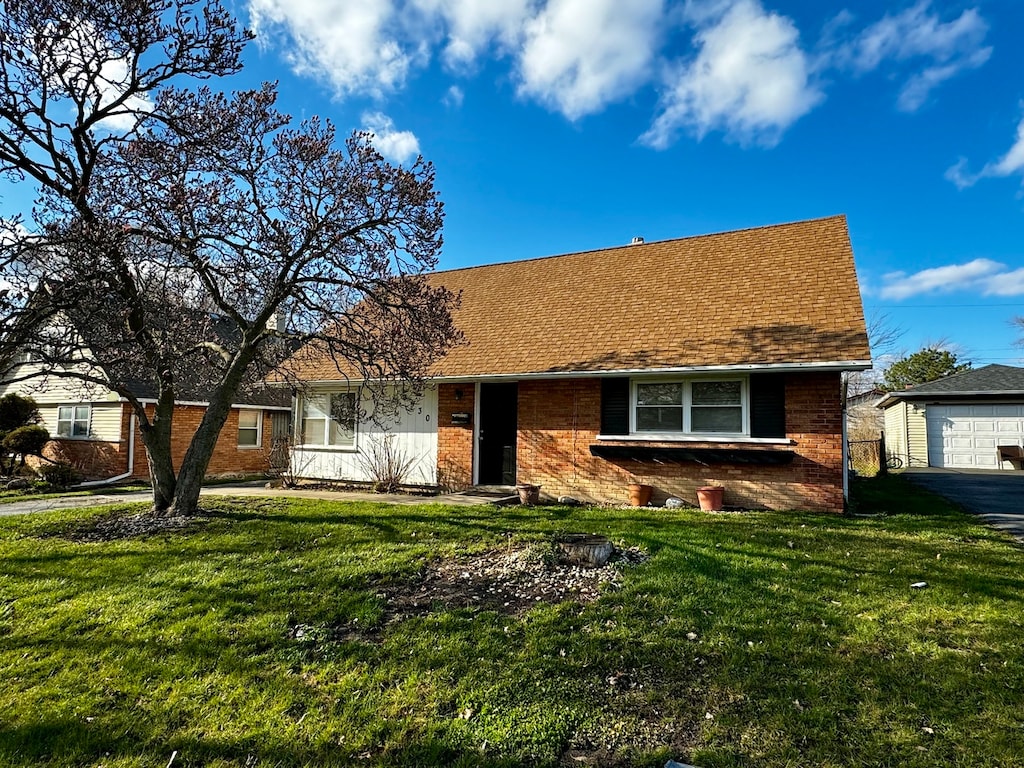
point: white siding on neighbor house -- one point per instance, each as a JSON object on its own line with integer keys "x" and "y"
{"x": 104, "y": 420}
{"x": 906, "y": 434}
{"x": 55, "y": 389}
{"x": 895, "y": 432}
{"x": 414, "y": 436}
{"x": 969, "y": 436}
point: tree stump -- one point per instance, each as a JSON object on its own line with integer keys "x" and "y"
{"x": 585, "y": 549}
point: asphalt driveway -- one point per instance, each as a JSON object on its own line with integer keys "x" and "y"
{"x": 997, "y": 497}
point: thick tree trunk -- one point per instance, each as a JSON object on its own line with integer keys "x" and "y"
{"x": 156, "y": 436}
{"x": 200, "y": 449}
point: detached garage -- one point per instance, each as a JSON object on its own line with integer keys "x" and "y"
{"x": 971, "y": 420}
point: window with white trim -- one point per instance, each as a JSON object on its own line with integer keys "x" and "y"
{"x": 691, "y": 406}
{"x": 249, "y": 428}
{"x": 73, "y": 421}
{"x": 329, "y": 420}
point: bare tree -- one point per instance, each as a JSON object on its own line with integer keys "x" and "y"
{"x": 184, "y": 236}
{"x": 883, "y": 335}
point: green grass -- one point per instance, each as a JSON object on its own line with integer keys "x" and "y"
{"x": 811, "y": 648}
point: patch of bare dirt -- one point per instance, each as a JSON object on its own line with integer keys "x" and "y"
{"x": 509, "y": 580}
{"x": 115, "y": 527}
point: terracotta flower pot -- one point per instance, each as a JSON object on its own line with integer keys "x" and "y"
{"x": 639, "y": 494}
{"x": 710, "y": 497}
{"x": 528, "y": 493}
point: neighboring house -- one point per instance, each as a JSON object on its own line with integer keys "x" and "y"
{"x": 973, "y": 419}
{"x": 95, "y": 430}
{"x": 863, "y": 418}
{"x": 713, "y": 359}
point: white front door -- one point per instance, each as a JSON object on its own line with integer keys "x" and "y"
{"x": 968, "y": 436}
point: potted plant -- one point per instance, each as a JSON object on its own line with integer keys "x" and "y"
{"x": 528, "y": 493}
{"x": 640, "y": 494}
{"x": 710, "y": 497}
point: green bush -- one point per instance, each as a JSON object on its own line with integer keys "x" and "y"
{"x": 58, "y": 475}
{"x": 26, "y": 441}
{"x": 17, "y": 411}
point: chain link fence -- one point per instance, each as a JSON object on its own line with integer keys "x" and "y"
{"x": 866, "y": 456}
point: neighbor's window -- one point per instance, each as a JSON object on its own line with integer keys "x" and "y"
{"x": 73, "y": 420}
{"x": 691, "y": 406}
{"x": 249, "y": 428}
{"x": 329, "y": 420}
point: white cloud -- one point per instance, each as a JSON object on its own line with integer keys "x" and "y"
{"x": 949, "y": 48}
{"x": 78, "y": 54}
{"x": 12, "y": 232}
{"x": 453, "y": 97}
{"x": 352, "y": 44}
{"x": 750, "y": 77}
{"x": 1010, "y": 163}
{"x": 1005, "y": 284}
{"x": 473, "y": 25}
{"x": 990, "y": 277}
{"x": 578, "y": 56}
{"x": 397, "y": 146}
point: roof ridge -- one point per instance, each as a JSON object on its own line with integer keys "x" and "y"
{"x": 958, "y": 374}
{"x": 762, "y": 227}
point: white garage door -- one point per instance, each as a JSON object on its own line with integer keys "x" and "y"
{"x": 968, "y": 435}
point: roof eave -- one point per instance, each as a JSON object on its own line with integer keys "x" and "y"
{"x": 832, "y": 366}
{"x": 894, "y": 397}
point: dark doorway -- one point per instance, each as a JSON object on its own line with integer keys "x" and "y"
{"x": 497, "y": 438}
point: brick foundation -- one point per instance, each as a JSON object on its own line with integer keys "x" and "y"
{"x": 560, "y": 419}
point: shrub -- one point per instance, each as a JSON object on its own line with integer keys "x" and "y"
{"x": 24, "y": 441}
{"x": 387, "y": 464}
{"x": 58, "y": 475}
{"x": 16, "y": 411}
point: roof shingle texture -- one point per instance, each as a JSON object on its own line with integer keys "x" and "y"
{"x": 990, "y": 378}
{"x": 779, "y": 294}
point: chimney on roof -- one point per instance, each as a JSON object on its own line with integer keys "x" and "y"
{"x": 637, "y": 241}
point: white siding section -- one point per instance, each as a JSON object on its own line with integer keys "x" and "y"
{"x": 104, "y": 421}
{"x": 896, "y": 432}
{"x": 54, "y": 389}
{"x": 415, "y": 437}
{"x": 917, "y": 436}
{"x": 906, "y": 434}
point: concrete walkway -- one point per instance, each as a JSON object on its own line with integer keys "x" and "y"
{"x": 997, "y": 497}
{"x": 238, "y": 490}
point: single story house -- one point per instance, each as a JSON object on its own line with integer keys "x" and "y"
{"x": 95, "y": 430}
{"x": 703, "y": 360}
{"x": 970, "y": 420}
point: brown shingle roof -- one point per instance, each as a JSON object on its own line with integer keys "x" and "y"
{"x": 772, "y": 295}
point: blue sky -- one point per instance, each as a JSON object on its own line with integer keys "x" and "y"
{"x": 565, "y": 125}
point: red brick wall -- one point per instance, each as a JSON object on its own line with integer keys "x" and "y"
{"x": 96, "y": 459}
{"x": 227, "y": 459}
{"x": 455, "y": 442}
{"x": 560, "y": 419}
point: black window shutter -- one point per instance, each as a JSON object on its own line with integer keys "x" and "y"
{"x": 614, "y": 406}
{"x": 768, "y": 405}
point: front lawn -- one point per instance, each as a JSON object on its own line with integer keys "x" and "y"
{"x": 268, "y": 635}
